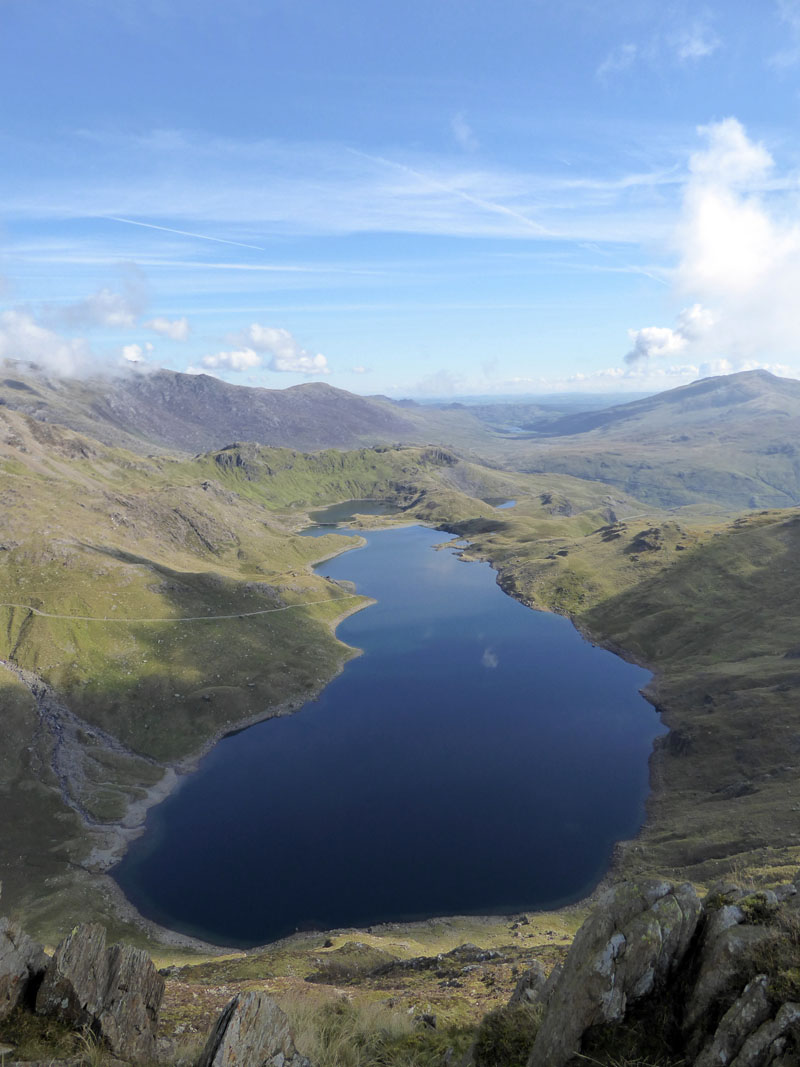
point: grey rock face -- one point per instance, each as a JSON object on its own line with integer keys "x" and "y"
{"x": 531, "y": 985}
{"x": 739, "y": 1021}
{"x": 252, "y": 1031}
{"x": 625, "y": 950}
{"x": 117, "y": 991}
{"x": 769, "y": 1041}
{"x": 723, "y": 951}
{"x": 22, "y": 961}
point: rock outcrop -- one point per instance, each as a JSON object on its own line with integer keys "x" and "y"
{"x": 22, "y": 963}
{"x": 717, "y": 984}
{"x": 115, "y": 990}
{"x": 625, "y": 950}
{"x": 252, "y": 1031}
{"x": 530, "y": 986}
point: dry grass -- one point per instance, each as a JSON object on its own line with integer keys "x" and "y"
{"x": 363, "y": 1033}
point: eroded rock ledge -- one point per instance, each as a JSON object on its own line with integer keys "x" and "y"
{"x": 654, "y": 976}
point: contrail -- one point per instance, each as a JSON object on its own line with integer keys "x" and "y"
{"x": 183, "y": 233}
{"x": 477, "y": 201}
{"x": 490, "y": 205}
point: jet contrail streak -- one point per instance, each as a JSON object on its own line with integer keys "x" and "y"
{"x": 477, "y": 201}
{"x": 183, "y": 233}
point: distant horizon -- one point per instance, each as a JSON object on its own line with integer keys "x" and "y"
{"x": 594, "y": 399}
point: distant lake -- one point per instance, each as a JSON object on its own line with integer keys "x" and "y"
{"x": 335, "y": 513}
{"x": 479, "y": 758}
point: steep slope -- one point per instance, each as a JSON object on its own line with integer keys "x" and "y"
{"x": 193, "y": 413}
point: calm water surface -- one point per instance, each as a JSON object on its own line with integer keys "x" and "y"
{"x": 479, "y": 757}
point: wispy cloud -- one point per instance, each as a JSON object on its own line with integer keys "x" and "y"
{"x": 106, "y": 307}
{"x": 463, "y": 134}
{"x": 788, "y": 12}
{"x": 618, "y": 59}
{"x": 174, "y": 329}
{"x": 680, "y": 43}
{"x": 696, "y": 43}
{"x": 246, "y": 194}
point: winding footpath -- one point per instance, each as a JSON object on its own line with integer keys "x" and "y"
{"x": 186, "y": 618}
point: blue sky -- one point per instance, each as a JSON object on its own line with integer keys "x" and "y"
{"x": 440, "y": 197}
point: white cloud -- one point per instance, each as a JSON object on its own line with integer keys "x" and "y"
{"x": 22, "y": 338}
{"x": 284, "y": 351}
{"x": 738, "y": 247}
{"x": 175, "y": 329}
{"x": 239, "y": 360}
{"x": 136, "y": 353}
{"x": 489, "y": 658}
{"x": 654, "y": 342}
{"x": 463, "y": 133}
{"x": 730, "y": 158}
{"x": 360, "y": 370}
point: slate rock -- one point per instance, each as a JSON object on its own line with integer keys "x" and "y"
{"x": 741, "y": 1020}
{"x": 626, "y": 949}
{"x": 252, "y": 1031}
{"x": 22, "y": 963}
{"x": 724, "y": 954}
{"x": 768, "y": 1043}
{"x": 114, "y": 990}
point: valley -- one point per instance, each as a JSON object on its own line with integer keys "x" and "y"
{"x": 156, "y": 599}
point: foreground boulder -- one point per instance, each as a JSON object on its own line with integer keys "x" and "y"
{"x": 116, "y": 991}
{"x": 626, "y": 950}
{"x": 22, "y": 963}
{"x": 252, "y": 1031}
{"x": 654, "y": 976}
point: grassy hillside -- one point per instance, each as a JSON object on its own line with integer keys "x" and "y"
{"x": 157, "y": 602}
{"x": 166, "y": 600}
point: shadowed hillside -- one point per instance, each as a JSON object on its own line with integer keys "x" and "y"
{"x": 195, "y": 412}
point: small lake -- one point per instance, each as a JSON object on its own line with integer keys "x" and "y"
{"x": 479, "y": 758}
{"x": 333, "y": 514}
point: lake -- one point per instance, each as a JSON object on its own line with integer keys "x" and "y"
{"x": 479, "y": 758}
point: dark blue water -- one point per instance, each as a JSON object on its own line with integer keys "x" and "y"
{"x": 478, "y": 758}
